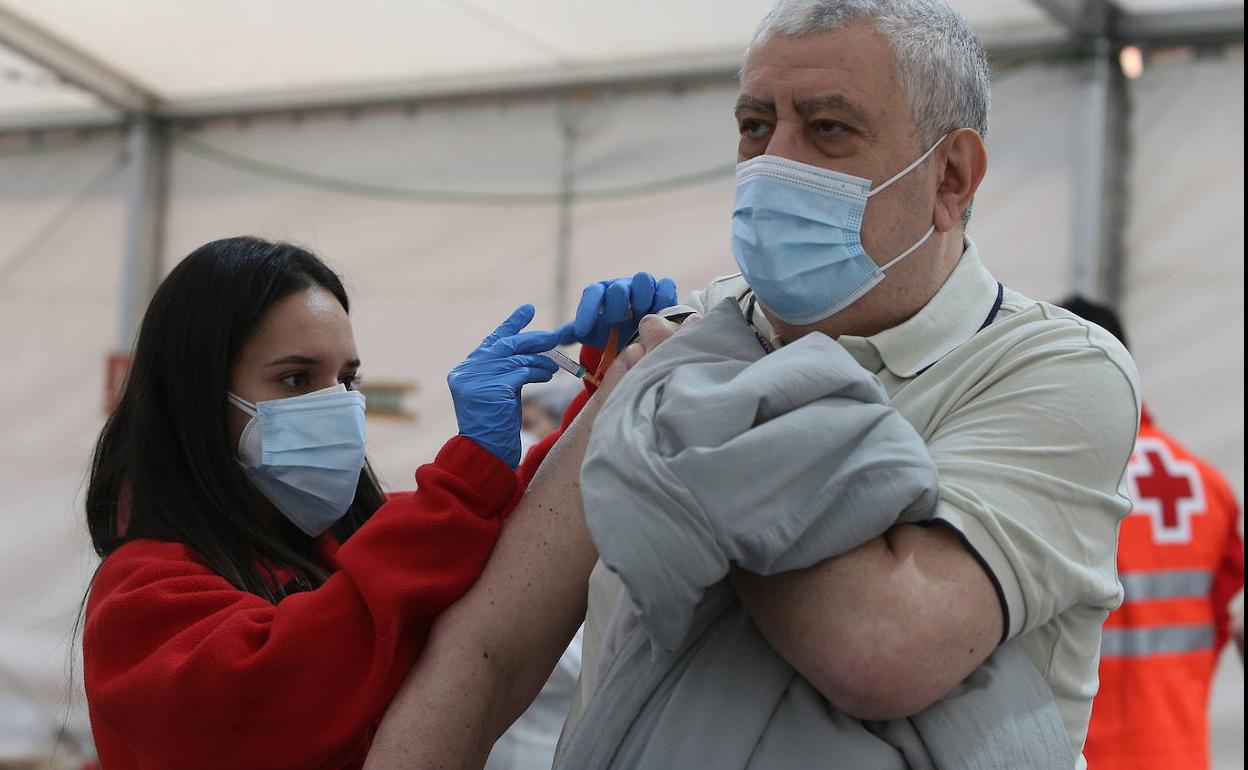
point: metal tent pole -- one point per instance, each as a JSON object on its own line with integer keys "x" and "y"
{"x": 147, "y": 166}
{"x": 1101, "y": 182}
{"x": 145, "y": 154}
{"x": 567, "y": 185}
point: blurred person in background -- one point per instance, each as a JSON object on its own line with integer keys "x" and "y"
{"x": 260, "y": 599}
{"x": 1181, "y": 563}
{"x": 543, "y": 405}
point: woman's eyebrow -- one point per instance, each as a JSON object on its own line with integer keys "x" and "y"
{"x": 295, "y": 359}
{"x": 309, "y": 361}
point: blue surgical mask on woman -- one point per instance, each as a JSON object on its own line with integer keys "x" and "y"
{"x": 797, "y": 236}
{"x": 305, "y": 453}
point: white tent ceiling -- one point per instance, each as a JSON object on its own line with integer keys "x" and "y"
{"x": 187, "y": 58}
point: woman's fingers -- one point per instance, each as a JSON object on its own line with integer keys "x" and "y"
{"x": 531, "y": 369}
{"x": 587, "y": 309}
{"x": 615, "y": 303}
{"x": 525, "y": 342}
{"x": 519, "y": 318}
{"x": 641, "y": 293}
{"x": 664, "y": 295}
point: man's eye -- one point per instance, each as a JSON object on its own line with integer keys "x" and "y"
{"x": 752, "y": 128}
{"x": 829, "y": 127}
{"x": 296, "y": 380}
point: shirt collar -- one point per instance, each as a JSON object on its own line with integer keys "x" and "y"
{"x": 950, "y": 318}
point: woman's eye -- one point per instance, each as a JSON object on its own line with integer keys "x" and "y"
{"x": 352, "y": 381}
{"x": 296, "y": 380}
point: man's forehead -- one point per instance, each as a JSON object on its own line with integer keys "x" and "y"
{"x": 846, "y": 60}
{"x": 850, "y": 70}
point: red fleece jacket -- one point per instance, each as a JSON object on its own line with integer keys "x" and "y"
{"x": 184, "y": 671}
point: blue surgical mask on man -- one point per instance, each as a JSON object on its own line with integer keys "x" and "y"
{"x": 797, "y": 236}
{"x": 305, "y": 453}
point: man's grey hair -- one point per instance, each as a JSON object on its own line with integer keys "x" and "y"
{"x": 941, "y": 62}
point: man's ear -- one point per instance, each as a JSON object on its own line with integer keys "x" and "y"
{"x": 965, "y": 162}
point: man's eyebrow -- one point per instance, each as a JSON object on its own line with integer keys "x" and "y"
{"x": 807, "y": 107}
{"x": 751, "y": 104}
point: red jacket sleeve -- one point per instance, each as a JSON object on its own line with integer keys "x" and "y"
{"x": 183, "y": 670}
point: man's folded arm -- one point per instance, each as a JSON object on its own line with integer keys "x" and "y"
{"x": 1030, "y": 466}
{"x": 886, "y": 629}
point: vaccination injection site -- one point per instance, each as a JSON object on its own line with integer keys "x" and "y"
{"x": 622, "y": 385}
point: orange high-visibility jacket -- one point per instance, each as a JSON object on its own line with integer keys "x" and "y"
{"x": 1181, "y": 561}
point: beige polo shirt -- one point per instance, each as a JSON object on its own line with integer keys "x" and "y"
{"x": 1030, "y": 421}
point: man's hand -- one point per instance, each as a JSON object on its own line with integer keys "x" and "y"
{"x": 653, "y": 331}
{"x": 887, "y": 629}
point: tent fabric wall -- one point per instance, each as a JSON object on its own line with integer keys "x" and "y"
{"x": 1184, "y": 279}
{"x": 61, "y": 215}
{"x": 429, "y": 279}
{"x": 1023, "y": 217}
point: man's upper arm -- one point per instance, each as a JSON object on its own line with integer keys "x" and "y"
{"x": 1031, "y": 464}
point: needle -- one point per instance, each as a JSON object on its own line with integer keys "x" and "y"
{"x": 565, "y": 363}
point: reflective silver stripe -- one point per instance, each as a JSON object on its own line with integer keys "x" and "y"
{"x": 1166, "y": 584}
{"x": 1137, "y": 642}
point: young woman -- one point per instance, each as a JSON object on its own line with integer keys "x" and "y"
{"x": 260, "y": 599}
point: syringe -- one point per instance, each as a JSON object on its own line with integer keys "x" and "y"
{"x": 565, "y": 363}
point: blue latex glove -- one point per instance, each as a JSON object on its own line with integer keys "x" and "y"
{"x": 621, "y": 303}
{"x": 485, "y": 387}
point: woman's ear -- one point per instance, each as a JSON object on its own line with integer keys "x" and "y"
{"x": 965, "y": 163}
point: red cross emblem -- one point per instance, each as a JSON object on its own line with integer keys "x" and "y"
{"x": 1166, "y": 489}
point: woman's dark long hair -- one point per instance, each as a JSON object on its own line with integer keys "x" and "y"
{"x": 164, "y": 465}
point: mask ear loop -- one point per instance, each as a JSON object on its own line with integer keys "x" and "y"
{"x": 909, "y": 168}
{"x": 894, "y": 178}
{"x": 246, "y": 407}
{"x": 910, "y": 250}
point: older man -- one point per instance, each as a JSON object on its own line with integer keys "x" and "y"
{"x": 861, "y": 149}
{"x": 862, "y": 127}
